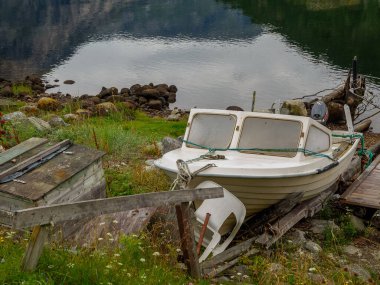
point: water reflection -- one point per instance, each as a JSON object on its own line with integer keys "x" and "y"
{"x": 216, "y": 51}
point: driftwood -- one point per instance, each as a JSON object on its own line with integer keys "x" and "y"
{"x": 363, "y": 126}
{"x": 256, "y": 224}
{"x": 336, "y": 94}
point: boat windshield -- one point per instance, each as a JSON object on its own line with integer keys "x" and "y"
{"x": 211, "y": 131}
{"x": 270, "y": 136}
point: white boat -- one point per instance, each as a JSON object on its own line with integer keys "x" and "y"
{"x": 260, "y": 157}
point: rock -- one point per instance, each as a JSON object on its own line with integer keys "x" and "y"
{"x": 57, "y": 122}
{"x": 14, "y": 117}
{"x": 130, "y": 105}
{"x": 243, "y": 269}
{"x": 88, "y": 104}
{"x": 142, "y": 100}
{"x": 125, "y": 92}
{"x": 336, "y": 112}
{"x": 83, "y": 113}
{"x": 56, "y": 80}
{"x": 134, "y": 89}
{"x": 50, "y": 86}
{"x": 296, "y": 236}
{"x": 104, "y": 109}
{"x": 38, "y": 88}
{"x": 295, "y": 107}
{"x": 115, "y": 98}
{"x": 39, "y": 124}
{"x": 30, "y": 109}
{"x": 173, "y": 89}
{"x": 107, "y": 92}
{"x": 360, "y": 272}
{"x": 175, "y": 117}
{"x": 312, "y": 246}
{"x": 234, "y": 108}
{"x": 317, "y": 278}
{"x": 275, "y": 267}
{"x": 169, "y": 144}
{"x": 352, "y": 250}
{"x": 175, "y": 111}
{"x": 71, "y": 117}
{"x": 48, "y": 104}
{"x": 6, "y": 91}
{"x": 172, "y": 97}
{"x": 357, "y": 223}
{"x": 2, "y": 149}
{"x": 319, "y": 226}
{"x": 69, "y": 82}
{"x": 155, "y": 104}
{"x": 221, "y": 280}
{"x": 150, "y": 93}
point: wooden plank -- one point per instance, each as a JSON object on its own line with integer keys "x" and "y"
{"x": 69, "y": 190}
{"x": 186, "y": 232}
{"x": 34, "y": 158}
{"x": 71, "y": 211}
{"x": 212, "y": 272}
{"x": 44, "y": 179}
{"x": 305, "y": 209}
{"x": 34, "y": 248}
{"x": 6, "y": 217}
{"x": 20, "y": 149}
{"x": 228, "y": 254}
{"x": 360, "y": 179}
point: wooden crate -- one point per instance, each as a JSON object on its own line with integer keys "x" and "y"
{"x": 73, "y": 175}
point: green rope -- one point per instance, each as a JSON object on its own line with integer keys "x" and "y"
{"x": 305, "y": 151}
{"x": 362, "y": 151}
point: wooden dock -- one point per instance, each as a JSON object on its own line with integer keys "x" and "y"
{"x": 365, "y": 191}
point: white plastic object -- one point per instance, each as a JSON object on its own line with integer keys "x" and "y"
{"x": 347, "y": 112}
{"x": 220, "y": 209}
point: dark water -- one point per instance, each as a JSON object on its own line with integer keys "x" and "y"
{"x": 216, "y": 51}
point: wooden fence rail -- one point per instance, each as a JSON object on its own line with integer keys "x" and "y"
{"x": 40, "y": 218}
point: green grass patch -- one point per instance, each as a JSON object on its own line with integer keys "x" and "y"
{"x": 132, "y": 261}
{"x": 18, "y": 89}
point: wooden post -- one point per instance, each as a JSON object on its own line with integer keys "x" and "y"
{"x": 354, "y": 72}
{"x": 186, "y": 232}
{"x": 34, "y": 248}
{"x": 253, "y": 101}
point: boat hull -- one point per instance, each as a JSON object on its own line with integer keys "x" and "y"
{"x": 260, "y": 193}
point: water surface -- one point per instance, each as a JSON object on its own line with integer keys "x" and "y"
{"x": 217, "y": 52}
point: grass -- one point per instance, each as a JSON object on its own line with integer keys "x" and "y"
{"x": 133, "y": 261}
{"x": 18, "y": 89}
{"x": 129, "y": 138}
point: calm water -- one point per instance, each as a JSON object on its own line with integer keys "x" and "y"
{"x": 216, "y": 51}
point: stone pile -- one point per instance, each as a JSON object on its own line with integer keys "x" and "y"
{"x": 145, "y": 97}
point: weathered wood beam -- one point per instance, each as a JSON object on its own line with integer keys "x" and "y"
{"x": 52, "y": 214}
{"x": 34, "y": 158}
{"x": 34, "y": 248}
{"x": 186, "y": 232}
{"x": 20, "y": 149}
{"x": 212, "y": 272}
{"x": 228, "y": 254}
{"x": 306, "y": 209}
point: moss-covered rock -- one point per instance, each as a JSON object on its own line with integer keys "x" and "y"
{"x": 106, "y": 108}
{"x": 48, "y": 104}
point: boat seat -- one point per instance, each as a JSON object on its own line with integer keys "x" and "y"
{"x": 220, "y": 210}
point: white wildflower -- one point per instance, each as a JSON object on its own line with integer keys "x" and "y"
{"x": 142, "y": 259}
{"x": 156, "y": 253}
{"x": 102, "y": 224}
